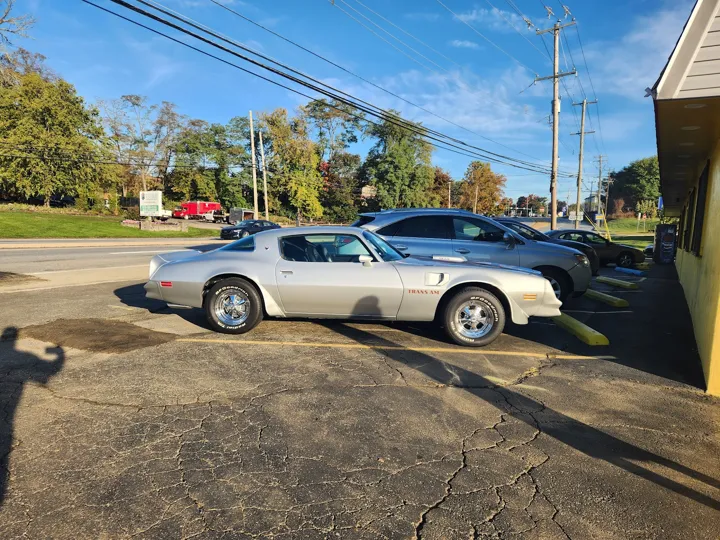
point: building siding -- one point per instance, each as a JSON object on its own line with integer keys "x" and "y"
{"x": 699, "y": 278}
{"x": 703, "y": 77}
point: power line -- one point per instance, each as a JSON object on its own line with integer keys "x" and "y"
{"x": 388, "y": 117}
{"x": 485, "y": 38}
{"x": 404, "y": 32}
{"x": 592, "y": 86}
{"x": 529, "y": 23}
{"x": 385, "y": 40}
{"x": 367, "y": 81}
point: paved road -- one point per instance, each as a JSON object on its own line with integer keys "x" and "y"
{"x": 110, "y": 253}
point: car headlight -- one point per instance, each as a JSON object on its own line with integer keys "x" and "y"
{"x": 582, "y": 259}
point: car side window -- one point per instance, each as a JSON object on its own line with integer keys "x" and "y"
{"x": 576, "y": 237}
{"x": 422, "y": 227}
{"x": 595, "y": 239}
{"x": 476, "y": 230}
{"x": 324, "y": 248}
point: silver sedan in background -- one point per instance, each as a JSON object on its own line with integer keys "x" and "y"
{"x": 425, "y": 232}
{"x": 347, "y": 273}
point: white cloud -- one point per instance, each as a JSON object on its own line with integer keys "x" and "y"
{"x": 464, "y": 44}
{"x": 489, "y": 107}
{"x": 627, "y": 66}
{"x": 154, "y": 65}
{"x": 494, "y": 18}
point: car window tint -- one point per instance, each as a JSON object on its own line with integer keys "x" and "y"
{"x": 595, "y": 239}
{"x": 525, "y": 232}
{"x": 477, "y": 230}
{"x": 389, "y": 230}
{"x": 325, "y": 248}
{"x": 423, "y": 227}
{"x": 244, "y": 244}
{"x": 576, "y": 237}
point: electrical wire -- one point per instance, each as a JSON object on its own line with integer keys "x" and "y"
{"x": 486, "y": 38}
{"x": 592, "y": 86}
{"x": 385, "y": 40}
{"x": 367, "y": 81}
{"x": 426, "y": 133}
{"x": 500, "y": 12}
{"x": 404, "y": 32}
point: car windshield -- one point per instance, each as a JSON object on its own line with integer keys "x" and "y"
{"x": 525, "y": 231}
{"x": 385, "y": 250}
{"x": 244, "y": 223}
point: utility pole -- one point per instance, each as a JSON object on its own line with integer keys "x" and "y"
{"x": 254, "y": 167}
{"x": 556, "y": 113}
{"x": 582, "y": 133}
{"x": 262, "y": 155}
{"x": 599, "y": 161}
{"x": 477, "y": 186}
{"x": 449, "y": 192}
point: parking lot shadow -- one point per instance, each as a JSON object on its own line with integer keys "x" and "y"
{"x": 134, "y": 296}
{"x": 573, "y": 433}
{"x": 18, "y": 368}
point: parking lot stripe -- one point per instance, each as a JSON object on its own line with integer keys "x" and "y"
{"x": 388, "y": 348}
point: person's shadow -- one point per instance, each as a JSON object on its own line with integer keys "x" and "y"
{"x": 17, "y": 368}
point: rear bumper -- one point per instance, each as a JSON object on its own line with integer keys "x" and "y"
{"x": 152, "y": 290}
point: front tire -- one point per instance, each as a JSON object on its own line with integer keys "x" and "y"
{"x": 244, "y": 234}
{"x": 233, "y": 306}
{"x": 474, "y": 317}
{"x": 624, "y": 259}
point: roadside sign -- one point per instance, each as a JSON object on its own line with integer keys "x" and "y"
{"x": 151, "y": 203}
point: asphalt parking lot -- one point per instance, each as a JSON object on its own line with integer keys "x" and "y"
{"x": 125, "y": 418}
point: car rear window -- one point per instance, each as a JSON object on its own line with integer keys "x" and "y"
{"x": 244, "y": 244}
{"x": 362, "y": 220}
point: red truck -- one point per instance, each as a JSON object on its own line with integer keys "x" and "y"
{"x": 195, "y": 209}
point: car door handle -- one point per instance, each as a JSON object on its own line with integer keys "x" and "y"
{"x": 286, "y": 272}
{"x": 401, "y": 247}
{"x": 462, "y": 250}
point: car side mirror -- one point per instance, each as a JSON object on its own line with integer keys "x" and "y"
{"x": 509, "y": 240}
{"x": 366, "y": 260}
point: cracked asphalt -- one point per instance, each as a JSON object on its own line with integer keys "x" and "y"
{"x": 122, "y": 418}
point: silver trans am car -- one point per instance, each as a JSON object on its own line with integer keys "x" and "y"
{"x": 345, "y": 272}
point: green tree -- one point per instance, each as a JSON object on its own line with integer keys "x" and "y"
{"x": 481, "y": 188}
{"x": 639, "y": 181}
{"x": 335, "y": 124}
{"x": 62, "y": 138}
{"x": 399, "y": 165}
{"x": 340, "y": 191}
{"x": 439, "y": 190}
{"x": 294, "y": 161}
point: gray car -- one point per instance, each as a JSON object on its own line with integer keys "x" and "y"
{"x": 446, "y": 232}
{"x": 344, "y": 272}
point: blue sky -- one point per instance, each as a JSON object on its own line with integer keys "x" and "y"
{"x": 480, "y": 79}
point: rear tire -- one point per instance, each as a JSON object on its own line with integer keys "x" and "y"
{"x": 624, "y": 259}
{"x": 559, "y": 281}
{"x": 244, "y": 234}
{"x": 233, "y": 306}
{"x": 474, "y": 317}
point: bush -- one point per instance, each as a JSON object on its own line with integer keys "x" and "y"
{"x": 132, "y": 212}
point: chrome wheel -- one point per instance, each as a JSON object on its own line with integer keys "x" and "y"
{"x": 557, "y": 289}
{"x": 625, "y": 260}
{"x": 232, "y": 307}
{"x": 474, "y": 319}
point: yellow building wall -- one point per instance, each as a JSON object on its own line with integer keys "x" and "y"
{"x": 700, "y": 279}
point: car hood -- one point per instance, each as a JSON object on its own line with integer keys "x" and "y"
{"x": 233, "y": 228}
{"x": 421, "y": 261}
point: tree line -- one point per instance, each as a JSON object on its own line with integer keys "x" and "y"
{"x": 54, "y": 144}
